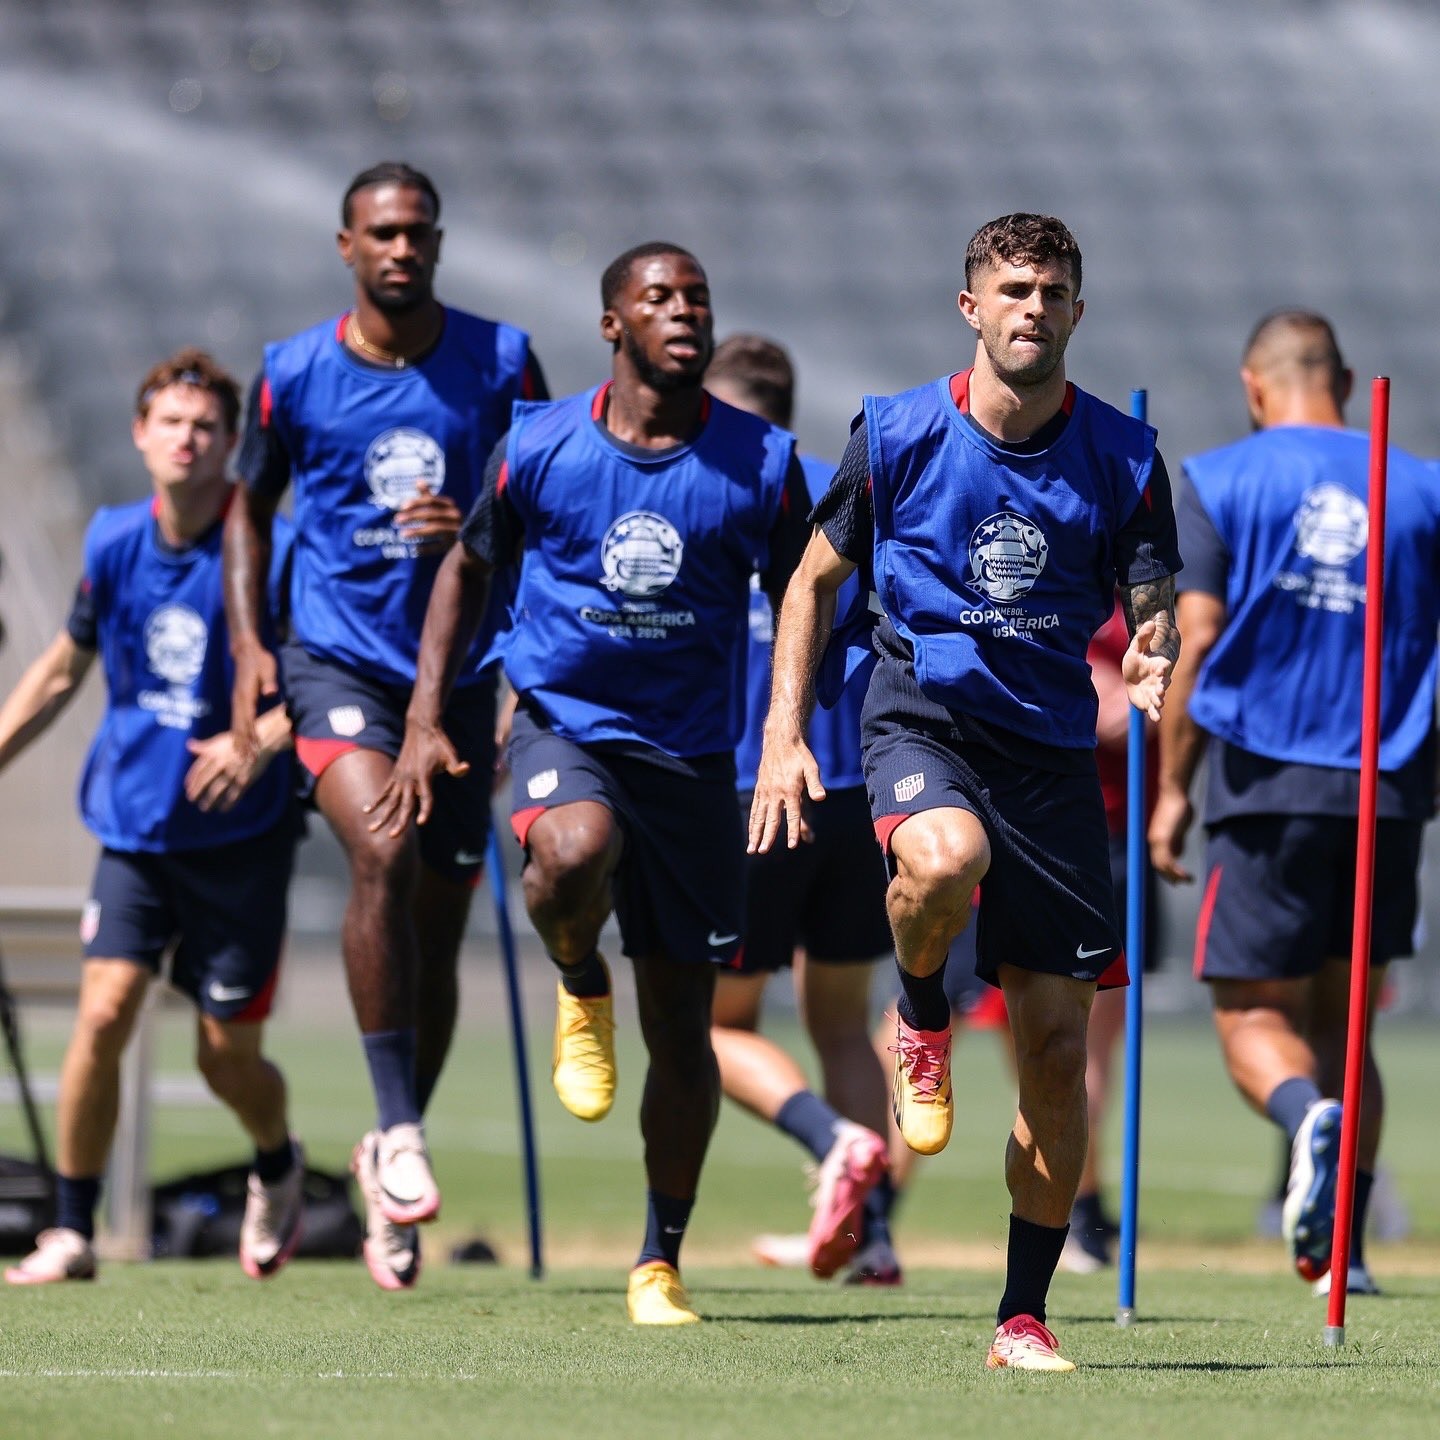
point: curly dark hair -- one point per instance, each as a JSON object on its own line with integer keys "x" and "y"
{"x": 1021, "y": 239}
{"x": 390, "y": 172}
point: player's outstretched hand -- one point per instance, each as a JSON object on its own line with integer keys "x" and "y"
{"x": 221, "y": 772}
{"x": 256, "y": 678}
{"x": 1169, "y": 824}
{"x": 1146, "y": 671}
{"x": 788, "y": 775}
{"x": 407, "y": 794}
{"x": 431, "y": 521}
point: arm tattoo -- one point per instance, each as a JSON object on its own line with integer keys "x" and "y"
{"x": 1154, "y": 600}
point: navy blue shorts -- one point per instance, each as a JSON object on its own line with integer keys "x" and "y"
{"x": 1047, "y": 900}
{"x": 1280, "y": 895}
{"x": 679, "y": 885}
{"x": 335, "y": 709}
{"x": 219, "y": 912}
{"x": 828, "y": 896}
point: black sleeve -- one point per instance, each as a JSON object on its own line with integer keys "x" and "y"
{"x": 1207, "y": 557}
{"x": 846, "y": 512}
{"x": 533, "y": 385}
{"x": 790, "y": 533}
{"x": 493, "y": 530}
{"x": 1145, "y": 548}
{"x": 264, "y": 463}
{"x": 84, "y": 621}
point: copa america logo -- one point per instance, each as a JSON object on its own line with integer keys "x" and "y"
{"x": 175, "y": 639}
{"x": 1007, "y": 554}
{"x": 1331, "y": 525}
{"x": 398, "y": 461}
{"x": 641, "y": 555}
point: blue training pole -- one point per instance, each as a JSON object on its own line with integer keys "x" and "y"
{"x": 1137, "y": 861}
{"x": 495, "y": 863}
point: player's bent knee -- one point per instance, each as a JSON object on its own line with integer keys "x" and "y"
{"x": 1052, "y": 1058}
{"x": 568, "y": 864}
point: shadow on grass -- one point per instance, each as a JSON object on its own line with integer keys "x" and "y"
{"x": 1214, "y": 1367}
{"x": 866, "y": 1318}
{"x": 1141, "y": 1321}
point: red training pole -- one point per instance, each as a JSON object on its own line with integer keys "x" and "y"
{"x": 1364, "y": 863}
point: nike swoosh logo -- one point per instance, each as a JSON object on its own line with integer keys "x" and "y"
{"x": 715, "y": 941}
{"x": 1086, "y": 954}
{"x": 468, "y": 857}
{"x": 673, "y": 1229}
{"x": 222, "y": 994}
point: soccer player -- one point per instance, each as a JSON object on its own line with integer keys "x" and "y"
{"x": 382, "y": 419}
{"x": 1275, "y": 529}
{"x": 196, "y": 835}
{"x": 994, "y": 510}
{"x": 638, "y": 511}
{"x": 829, "y": 898}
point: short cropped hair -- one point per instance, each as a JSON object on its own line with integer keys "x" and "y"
{"x": 389, "y": 172}
{"x": 617, "y": 272}
{"x": 761, "y": 370}
{"x": 1302, "y": 338}
{"x": 1021, "y": 239}
{"x": 191, "y": 366}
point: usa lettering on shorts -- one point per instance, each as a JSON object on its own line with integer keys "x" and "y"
{"x": 909, "y": 787}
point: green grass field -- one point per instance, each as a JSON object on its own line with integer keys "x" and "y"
{"x": 1228, "y": 1343}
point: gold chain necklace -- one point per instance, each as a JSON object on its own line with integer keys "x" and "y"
{"x": 388, "y": 356}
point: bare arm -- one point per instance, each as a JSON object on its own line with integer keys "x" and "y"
{"x": 788, "y": 772}
{"x": 1182, "y": 741}
{"x": 43, "y": 692}
{"x": 1154, "y": 642}
{"x": 221, "y": 774}
{"x": 452, "y": 620}
{"x": 247, "y": 550}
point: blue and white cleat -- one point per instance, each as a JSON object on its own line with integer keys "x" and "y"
{"x": 1307, "y": 1219}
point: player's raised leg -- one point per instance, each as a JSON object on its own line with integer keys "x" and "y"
{"x": 572, "y": 852}
{"x": 938, "y": 857}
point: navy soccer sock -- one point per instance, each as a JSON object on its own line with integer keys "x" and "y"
{"x": 390, "y": 1055}
{"x": 807, "y": 1118}
{"x": 585, "y": 980}
{"x": 1030, "y": 1262}
{"x": 75, "y": 1202}
{"x": 1289, "y": 1101}
{"x": 1364, "y": 1180}
{"x": 923, "y": 1004}
{"x": 665, "y": 1222}
{"x": 273, "y": 1165}
{"x": 875, "y": 1226}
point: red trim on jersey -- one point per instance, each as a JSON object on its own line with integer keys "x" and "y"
{"x": 527, "y": 382}
{"x": 1145, "y": 496}
{"x": 960, "y": 392}
{"x": 1207, "y": 912}
{"x": 340, "y": 325}
{"x": 154, "y": 507}
{"x": 704, "y": 407}
{"x": 522, "y": 820}
{"x": 1115, "y": 976}
{"x": 318, "y": 755}
{"x": 886, "y": 826}
{"x": 259, "y": 1008}
{"x": 503, "y": 478}
{"x": 601, "y": 400}
{"x": 267, "y": 402}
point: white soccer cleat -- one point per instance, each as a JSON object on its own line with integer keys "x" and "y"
{"x": 1023, "y": 1343}
{"x": 392, "y": 1252}
{"x": 408, "y": 1192}
{"x": 784, "y": 1252}
{"x": 274, "y": 1219}
{"x": 1360, "y": 1282}
{"x": 58, "y": 1255}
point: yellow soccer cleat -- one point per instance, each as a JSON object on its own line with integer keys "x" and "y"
{"x": 657, "y": 1296}
{"x": 923, "y": 1103}
{"x": 584, "y": 1067}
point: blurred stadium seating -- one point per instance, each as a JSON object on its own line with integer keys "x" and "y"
{"x": 171, "y": 170}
